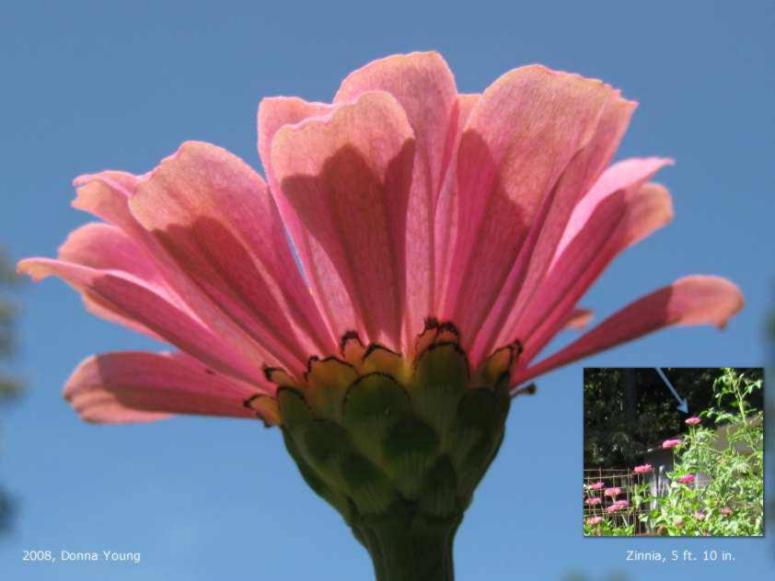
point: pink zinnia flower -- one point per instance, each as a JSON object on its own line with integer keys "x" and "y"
{"x": 613, "y": 491}
{"x": 667, "y": 444}
{"x": 692, "y": 421}
{"x": 594, "y": 520}
{"x": 596, "y": 485}
{"x": 643, "y": 469}
{"x": 593, "y": 500}
{"x": 725, "y": 511}
{"x": 686, "y": 479}
{"x": 617, "y": 506}
{"x": 442, "y": 239}
{"x": 699, "y": 515}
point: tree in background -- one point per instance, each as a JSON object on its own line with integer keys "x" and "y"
{"x": 10, "y": 386}
{"x": 629, "y": 410}
{"x": 770, "y": 339}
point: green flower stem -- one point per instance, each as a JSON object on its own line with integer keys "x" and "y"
{"x": 405, "y": 547}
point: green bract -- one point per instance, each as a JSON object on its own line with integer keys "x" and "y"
{"x": 398, "y": 446}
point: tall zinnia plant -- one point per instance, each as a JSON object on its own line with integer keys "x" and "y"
{"x": 443, "y": 240}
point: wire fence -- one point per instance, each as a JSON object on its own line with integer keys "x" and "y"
{"x": 607, "y": 494}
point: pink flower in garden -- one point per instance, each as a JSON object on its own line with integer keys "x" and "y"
{"x": 692, "y": 421}
{"x": 686, "y": 479}
{"x": 592, "y": 501}
{"x": 667, "y": 444}
{"x": 678, "y": 521}
{"x": 643, "y": 469}
{"x": 596, "y": 485}
{"x": 594, "y": 520}
{"x": 699, "y": 515}
{"x": 725, "y": 511}
{"x": 617, "y": 506}
{"x": 613, "y": 491}
{"x": 436, "y": 238}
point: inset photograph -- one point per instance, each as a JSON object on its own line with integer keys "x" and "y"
{"x": 673, "y": 452}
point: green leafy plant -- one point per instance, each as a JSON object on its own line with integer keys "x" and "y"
{"x": 716, "y": 485}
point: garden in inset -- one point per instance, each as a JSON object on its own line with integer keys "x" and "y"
{"x": 673, "y": 452}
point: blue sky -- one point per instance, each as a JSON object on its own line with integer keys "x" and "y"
{"x": 94, "y": 85}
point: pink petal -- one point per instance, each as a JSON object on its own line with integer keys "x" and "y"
{"x": 137, "y": 387}
{"x": 107, "y": 195}
{"x": 692, "y": 300}
{"x": 627, "y": 174}
{"x": 531, "y": 143}
{"x": 274, "y": 113}
{"x": 214, "y": 217}
{"x": 424, "y": 86}
{"x": 446, "y": 218}
{"x": 347, "y": 179}
{"x": 534, "y": 258}
{"x": 621, "y": 220}
{"x": 578, "y": 319}
{"x": 629, "y": 215}
{"x": 106, "y": 247}
{"x": 128, "y": 297}
{"x": 335, "y": 304}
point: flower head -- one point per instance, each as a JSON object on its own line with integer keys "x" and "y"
{"x": 369, "y": 188}
{"x": 699, "y": 515}
{"x": 594, "y": 520}
{"x": 596, "y": 485}
{"x": 614, "y": 491}
{"x": 593, "y": 500}
{"x": 617, "y": 506}
{"x": 672, "y": 443}
{"x": 725, "y": 511}
{"x": 692, "y": 421}
{"x": 686, "y": 479}
{"x": 643, "y": 469}
{"x": 442, "y": 239}
{"x": 678, "y": 521}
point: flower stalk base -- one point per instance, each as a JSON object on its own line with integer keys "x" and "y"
{"x": 409, "y": 545}
{"x": 398, "y": 446}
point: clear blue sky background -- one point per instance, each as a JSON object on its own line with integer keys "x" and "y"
{"x": 94, "y": 85}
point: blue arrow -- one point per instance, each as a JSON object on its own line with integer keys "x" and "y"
{"x": 683, "y": 405}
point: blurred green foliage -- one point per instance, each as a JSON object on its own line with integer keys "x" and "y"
{"x": 10, "y": 386}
